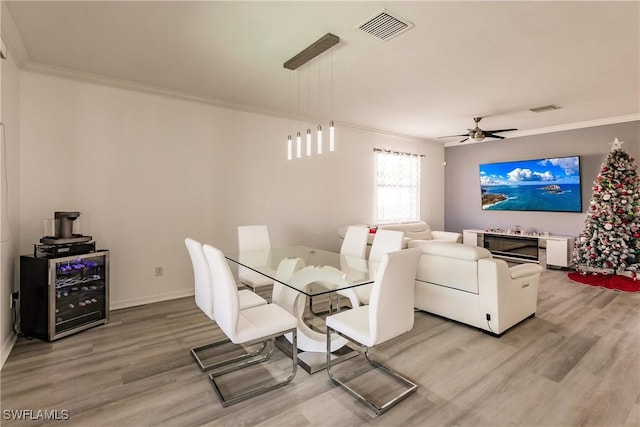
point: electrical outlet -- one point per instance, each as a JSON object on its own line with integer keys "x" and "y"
{"x": 14, "y": 298}
{"x": 159, "y": 271}
{"x": 488, "y": 317}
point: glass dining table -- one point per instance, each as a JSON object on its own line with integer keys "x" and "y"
{"x": 301, "y": 272}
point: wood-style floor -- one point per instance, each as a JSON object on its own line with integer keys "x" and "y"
{"x": 577, "y": 363}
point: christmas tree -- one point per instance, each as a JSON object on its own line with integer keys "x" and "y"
{"x": 610, "y": 241}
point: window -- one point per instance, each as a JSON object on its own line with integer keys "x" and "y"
{"x": 397, "y": 186}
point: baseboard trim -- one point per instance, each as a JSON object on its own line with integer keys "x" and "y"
{"x": 7, "y": 346}
{"x": 115, "y": 305}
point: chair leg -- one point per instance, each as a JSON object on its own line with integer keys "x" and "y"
{"x": 411, "y": 387}
{"x": 267, "y": 346}
{"x": 331, "y": 309}
{"x": 320, "y": 313}
{"x": 230, "y": 400}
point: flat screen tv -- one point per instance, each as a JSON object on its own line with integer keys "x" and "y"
{"x": 551, "y": 185}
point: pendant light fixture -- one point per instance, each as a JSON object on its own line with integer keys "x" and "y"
{"x": 332, "y": 136}
{"x": 332, "y": 129}
{"x": 318, "y": 47}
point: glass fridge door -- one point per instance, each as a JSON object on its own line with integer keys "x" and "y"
{"x": 80, "y": 296}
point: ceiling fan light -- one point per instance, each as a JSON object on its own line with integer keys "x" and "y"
{"x": 476, "y": 135}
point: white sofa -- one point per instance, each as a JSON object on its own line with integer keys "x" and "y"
{"x": 413, "y": 230}
{"x": 465, "y": 283}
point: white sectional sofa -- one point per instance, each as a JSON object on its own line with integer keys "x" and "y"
{"x": 465, "y": 283}
{"x": 414, "y": 230}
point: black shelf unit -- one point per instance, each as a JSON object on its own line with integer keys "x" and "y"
{"x": 513, "y": 247}
{"x": 60, "y": 296}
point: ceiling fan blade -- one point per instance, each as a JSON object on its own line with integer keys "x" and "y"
{"x": 451, "y": 136}
{"x": 463, "y": 139}
{"x": 490, "y": 135}
{"x": 499, "y": 130}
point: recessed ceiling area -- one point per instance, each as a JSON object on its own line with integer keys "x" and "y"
{"x": 460, "y": 60}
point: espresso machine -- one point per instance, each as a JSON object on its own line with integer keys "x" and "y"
{"x": 60, "y": 239}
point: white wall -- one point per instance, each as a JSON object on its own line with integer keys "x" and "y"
{"x": 146, "y": 171}
{"x": 10, "y": 199}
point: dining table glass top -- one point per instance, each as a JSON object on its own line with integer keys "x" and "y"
{"x": 309, "y": 262}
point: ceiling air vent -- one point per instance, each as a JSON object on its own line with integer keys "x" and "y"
{"x": 544, "y": 108}
{"x": 384, "y": 25}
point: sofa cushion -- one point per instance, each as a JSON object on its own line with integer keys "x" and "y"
{"x": 412, "y": 230}
{"x": 449, "y": 264}
{"x": 418, "y": 235}
{"x": 453, "y": 250}
{"x": 415, "y": 226}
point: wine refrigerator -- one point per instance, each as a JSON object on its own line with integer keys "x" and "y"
{"x": 60, "y": 296}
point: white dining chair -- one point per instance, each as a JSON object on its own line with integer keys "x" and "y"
{"x": 204, "y": 297}
{"x": 253, "y": 237}
{"x": 245, "y": 327}
{"x": 354, "y": 246}
{"x": 385, "y": 241}
{"x": 355, "y": 242}
{"x": 389, "y": 314}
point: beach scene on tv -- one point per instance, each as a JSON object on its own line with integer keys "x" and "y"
{"x": 532, "y": 185}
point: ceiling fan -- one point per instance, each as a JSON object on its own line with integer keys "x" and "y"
{"x": 476, "y": 134}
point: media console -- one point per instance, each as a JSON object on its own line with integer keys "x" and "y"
{"x": 522, "y": 247}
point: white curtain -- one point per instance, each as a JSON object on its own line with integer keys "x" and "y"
{"x": 397, "y": 186}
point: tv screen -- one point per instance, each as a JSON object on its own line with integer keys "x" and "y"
{"x": 551, "y": 184}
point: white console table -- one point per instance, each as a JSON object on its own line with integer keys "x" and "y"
{"x": 519, "y": 247}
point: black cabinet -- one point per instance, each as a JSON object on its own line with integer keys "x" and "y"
{"x": 514, "y": 247}
{"x": 64, "y": 295}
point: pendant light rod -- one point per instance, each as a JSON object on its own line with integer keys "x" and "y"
{"x": 323, "y": 44}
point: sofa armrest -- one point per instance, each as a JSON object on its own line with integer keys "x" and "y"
{"x": 446, "y": 235}
{"x": 524, "y": 270}
{"x": 507, "y": 295}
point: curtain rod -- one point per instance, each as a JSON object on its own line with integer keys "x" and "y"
{"x": 399, "y": 153}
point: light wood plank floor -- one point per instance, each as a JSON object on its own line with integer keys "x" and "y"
{"x": 577, "y": 363}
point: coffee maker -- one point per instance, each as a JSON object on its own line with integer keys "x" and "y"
{"x": 59, "y": 236}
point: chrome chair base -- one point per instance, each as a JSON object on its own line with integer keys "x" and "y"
{"x": 266, "y": 345}
{"x": 379, "y": 409}
{"x": 232, "y": 399}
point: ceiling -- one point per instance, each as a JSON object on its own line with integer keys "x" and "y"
{"x": 459, "y": 61}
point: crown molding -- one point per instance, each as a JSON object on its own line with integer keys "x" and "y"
{"x": 11, "y": 36}
{"x": 71, "y": 74}
{"x": 560, "y": 128}
{"x": 48, "y": 69}
{"x": 577, "y": 125}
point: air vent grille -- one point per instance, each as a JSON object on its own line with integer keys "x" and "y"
{"x": 544, "y": 108}
{"x": 385, "y": 25}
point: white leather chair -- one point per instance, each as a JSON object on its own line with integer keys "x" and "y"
{"x": 355, "y": 242}
{"x": 388, "y": 315}
{"x": 246, "y": 327}
{"x": 253, "y": 237}
{"x": 354, "y": 245}
{"x": 385, "y": 241}
{"x": 204, "y": 296}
